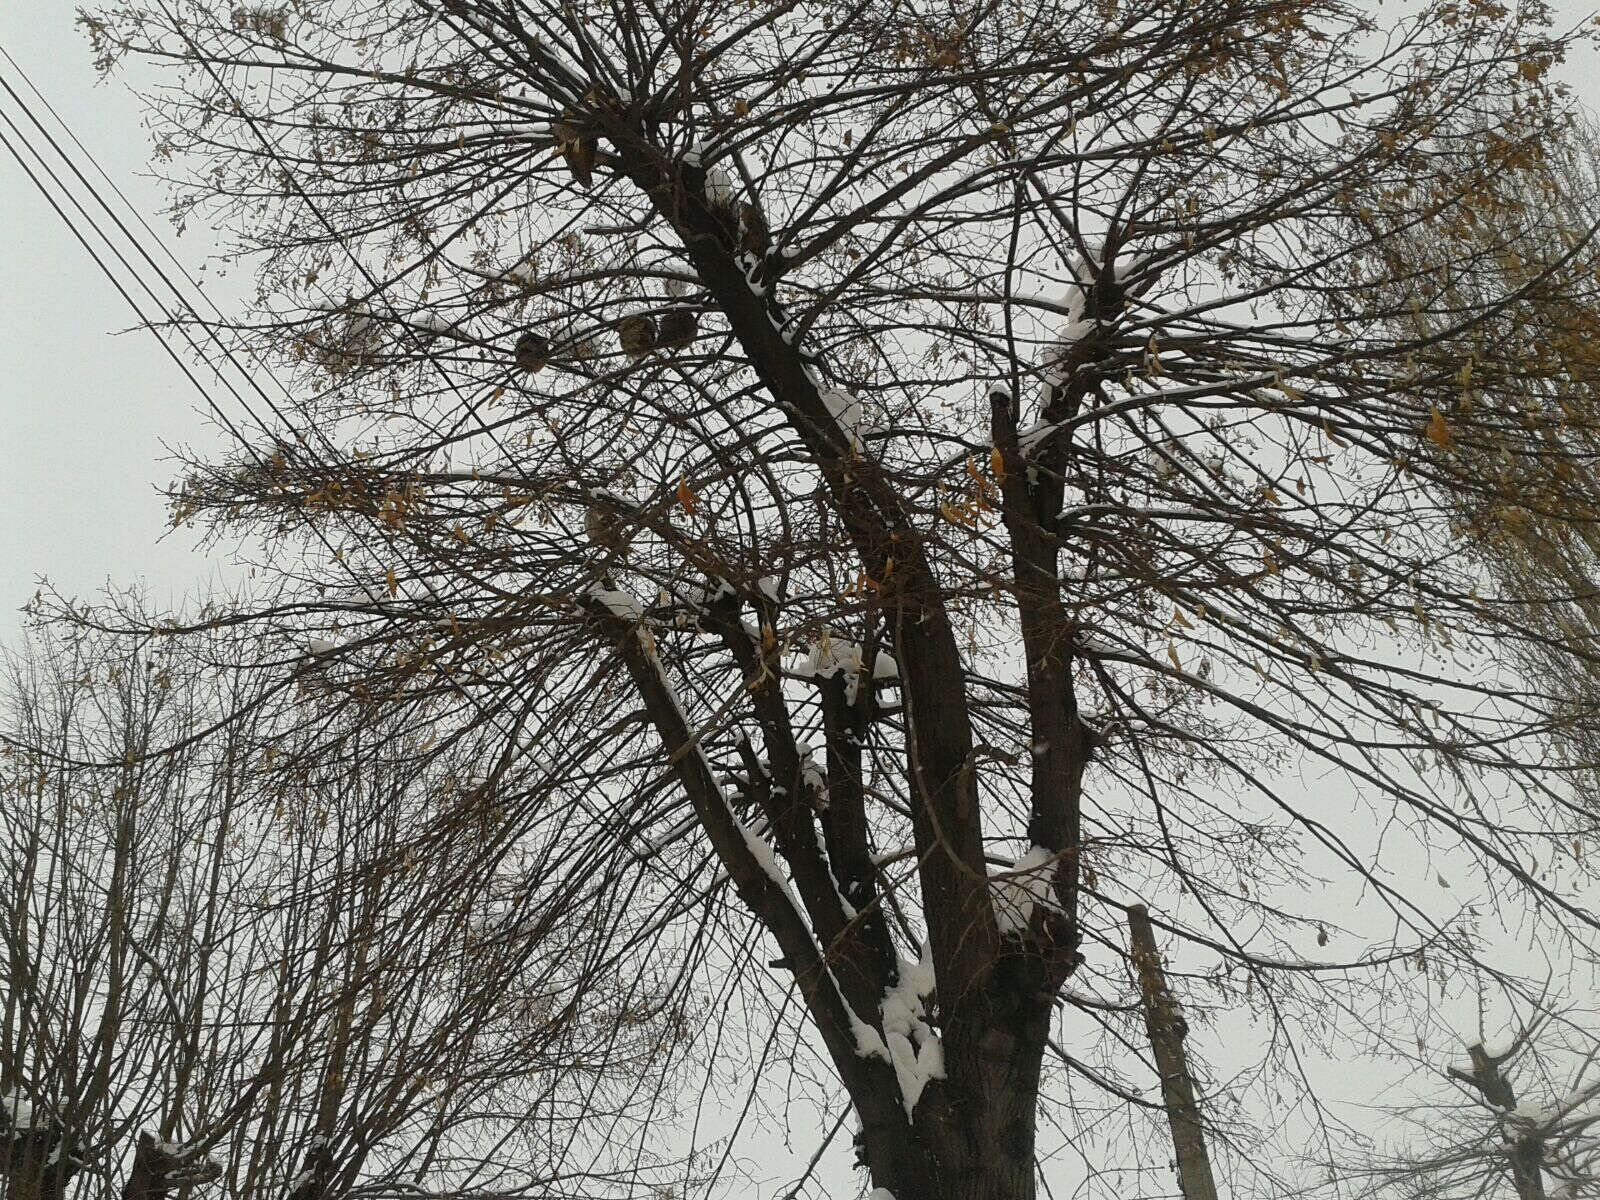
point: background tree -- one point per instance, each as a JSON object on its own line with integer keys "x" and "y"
{"x": 1532, "y": 524}
{"x": 1522, "y": 1112}
{"x": 205, "y": 990}
{"x": 907, "y": 485}
{"x": 1519, "y": 1121}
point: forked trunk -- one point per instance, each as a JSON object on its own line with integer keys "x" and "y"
{"x": 973, "y": 1134}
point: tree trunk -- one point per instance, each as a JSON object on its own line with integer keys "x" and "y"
{"x": 973, "y": 1133}
{"x": 1527, "y": 1147}
{"x": 32, "y": 1167}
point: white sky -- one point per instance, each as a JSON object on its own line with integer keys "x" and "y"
{"x": 84, "y": 412}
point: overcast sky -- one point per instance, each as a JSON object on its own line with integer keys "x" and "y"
{"x": 87, "y": 410}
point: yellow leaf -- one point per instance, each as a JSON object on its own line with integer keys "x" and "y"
{"x": 393, "y": 582}
{"x": 997, "y": 463}
{"x": 955, "y": 514}
{"x": 1172, "y": 653}
{"x": 687, "y": 500}
{"x": 1438, "y": 429}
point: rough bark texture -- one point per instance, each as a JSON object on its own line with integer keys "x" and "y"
{"x": 1527, "y": 1148}
{"x": 1164, "y": 1023}
{"x": 37, "y": 1164}
{"x": 973, "y": 1134}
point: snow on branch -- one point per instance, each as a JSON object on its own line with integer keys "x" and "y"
{"x": 1029, "y": 884}
{"x": 832, "y": 656}
{"x": 908, "y": 1042}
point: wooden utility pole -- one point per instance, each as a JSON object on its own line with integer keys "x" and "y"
{"x": 1166, "y": 1027}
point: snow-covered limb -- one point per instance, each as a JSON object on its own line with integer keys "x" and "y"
{"x": 847, "y": 411}
{"x": 751, "y": 863}
{"x": 716, "y": 592}
{"x": 430, "y": 321}
{"x": 832, "y": 656}
{"x": 908, "y": 1043}
{"x": 616, "y": 601}
{"x": 720, "y": 190}
{"x": 1029, "y": 438}
{"x": 173, "y": 1164}
{"x": 1029, "y": 884}
{"x": 765, "y": 859}
{"x": 16, "y": 1110}
{"x": 812, "y": 774}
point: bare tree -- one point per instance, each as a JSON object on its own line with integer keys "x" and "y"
{"x": 1522, "y": 1121}
{"x": 208, "y": 984}
{"x": 909, "y": 484}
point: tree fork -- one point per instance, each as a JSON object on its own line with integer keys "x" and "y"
{"x": 1527, "y": 1147}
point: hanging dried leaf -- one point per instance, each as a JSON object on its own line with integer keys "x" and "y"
{"x": 687, "y": 500}
{"x": 1438, "y": 430}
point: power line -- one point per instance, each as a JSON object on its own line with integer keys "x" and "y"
{"x": 170, "y": 316}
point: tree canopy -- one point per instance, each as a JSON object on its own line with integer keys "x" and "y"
{"x": 875, "y": 491}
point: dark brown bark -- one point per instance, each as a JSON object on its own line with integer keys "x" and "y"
{"x": 973, "y": 1134}
{"x": 1527, "y": 1148}
{"x": 36, "y": 1165}
{"x": 940, "y": 742}
{"x": 157, "y": 1170}
{"x": 970, "y": 1134}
